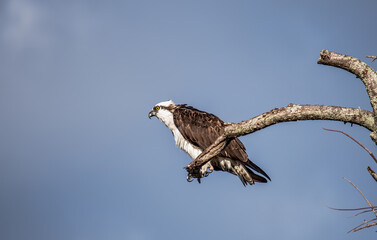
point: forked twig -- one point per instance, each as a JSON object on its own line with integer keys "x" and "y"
{"x": 373, "y": 208}
{"x": 372, "y": 57}
{"x": 370, "y": 205}
{"x": 366, "y": 223}
{"x": 360, "y": 227}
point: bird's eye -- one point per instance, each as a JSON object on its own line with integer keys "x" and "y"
{"x": 156, "y": 108}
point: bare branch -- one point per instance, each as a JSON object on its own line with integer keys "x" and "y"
{"x": 372, "y": 57}
{"x": 366, "y": 211}
{"x": 351, "y": 209}
{"x": 366, "y": 226}
{"x": 367, "y": 75}
{"x": 366, "y": 149}
{"x": 294, "y": 112}
{"x": 370, "y": 205}
{"x": 371, "y": 208}
{"x": 286, "y": 114}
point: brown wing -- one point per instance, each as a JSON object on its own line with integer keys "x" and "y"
{"x": 202, "y": 129}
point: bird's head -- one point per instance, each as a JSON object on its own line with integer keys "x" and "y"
{"x": 162, "y": 110}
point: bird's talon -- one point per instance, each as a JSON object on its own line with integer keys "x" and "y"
{"x": 189, "y": 178}
{"x": 207, "y": 172}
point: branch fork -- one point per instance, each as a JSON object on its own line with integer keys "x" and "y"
{"x": 293, "y": 112}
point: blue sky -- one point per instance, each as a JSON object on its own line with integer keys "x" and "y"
{"x": 79, "y": 158}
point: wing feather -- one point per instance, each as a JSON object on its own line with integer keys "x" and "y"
{"x": 202, "y": 129}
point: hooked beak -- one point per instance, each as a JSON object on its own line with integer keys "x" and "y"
{"x": 151, "y": 114}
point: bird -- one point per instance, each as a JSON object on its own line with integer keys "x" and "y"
{"x": 195, "y": 130}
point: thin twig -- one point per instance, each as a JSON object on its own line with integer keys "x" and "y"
{"x": 370, "y": 205}
{"x": 366, "y": 226}
{"x": 347, "y": 209}
{"x": 372, "y": 57}
{"x": 351, "y": 209}
{"x": 357, "y": 228}
{"x": 366, "y": 211}
{"x": 366, "y": 149}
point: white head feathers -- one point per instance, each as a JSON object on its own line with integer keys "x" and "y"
{"x": 162, "y": 113}
{"x": 165, "y": 104}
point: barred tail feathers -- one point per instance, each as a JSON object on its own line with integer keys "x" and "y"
{"x": 240, "y": 169}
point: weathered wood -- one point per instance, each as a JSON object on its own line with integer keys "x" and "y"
{"x": 290, "y": 113}
{"x": 294, "y": 112}
{"x": 353, "y": 65}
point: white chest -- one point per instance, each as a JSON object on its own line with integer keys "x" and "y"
{"x": 183, "y": 144}
{"x": 167, "y": 118}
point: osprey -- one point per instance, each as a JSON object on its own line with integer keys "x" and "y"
{"x": 195, "y": 130}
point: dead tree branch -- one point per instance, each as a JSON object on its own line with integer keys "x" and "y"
{"x": 294, "y": 112}
{"x": 286, "y": 114}
{"x": 353, "y": 65}
{"x": 371, "y": 208}
{"x": 372, "y": 57}
{"x": 369, "y": 203}
{"x": 365, "y": 224}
